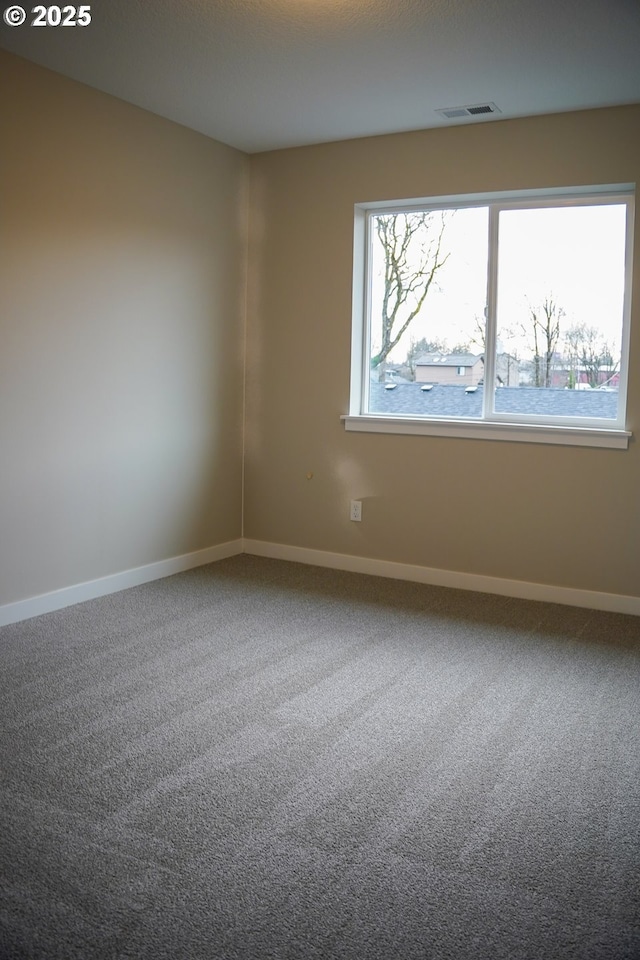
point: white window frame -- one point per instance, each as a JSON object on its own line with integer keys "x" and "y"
{"x": 495, "y": 426}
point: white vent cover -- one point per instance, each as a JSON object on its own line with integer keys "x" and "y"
{"x": 471, "y": 110}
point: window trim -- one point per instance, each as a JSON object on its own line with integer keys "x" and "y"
{"x": 488, "y": 430}
{"x": 497, "y": 426}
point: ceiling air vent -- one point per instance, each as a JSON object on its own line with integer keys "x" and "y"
{"x": 472, "y": 110}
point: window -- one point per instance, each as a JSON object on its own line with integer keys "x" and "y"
{"x": 512, "y": 310}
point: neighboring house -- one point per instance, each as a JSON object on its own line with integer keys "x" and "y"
{"x": 464, "y": 369}
{"x": 562, "y": 376}
{"x": 605, "y": 377}
{"x": 507, "y": 370}
{"x": 392, "y": 375}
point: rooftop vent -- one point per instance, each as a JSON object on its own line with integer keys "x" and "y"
{"x": 390, "y": 386}
{"x": 471, "y": 110}
{"x": 427, "y": 386}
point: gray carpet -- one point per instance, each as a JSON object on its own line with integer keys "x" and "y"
{"x": 259, "y": 759}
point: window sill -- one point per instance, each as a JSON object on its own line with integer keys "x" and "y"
{"x": 486, "y": 430}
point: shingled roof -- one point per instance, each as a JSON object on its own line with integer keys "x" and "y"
{"x": 448, "y": 359}
{"x": 445, "y": 400}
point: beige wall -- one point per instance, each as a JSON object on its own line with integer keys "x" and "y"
{"x": 121, "y": 339}
{"x": 567, "y": 516}
{"x": 121, "y": 335}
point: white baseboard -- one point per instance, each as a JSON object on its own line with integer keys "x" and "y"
{"x": 56, "y": 600}
{"x": 590, "y": 599}
{"x": 47, "y": 602}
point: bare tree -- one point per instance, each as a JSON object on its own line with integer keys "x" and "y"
{"x": 610, "y": 363}
{"x": 544, "y": 327}
{"x": 588, "y": 352}
{"x": 412, "y": 244}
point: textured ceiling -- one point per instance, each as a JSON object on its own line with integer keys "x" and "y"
{"x": 263, "y": 74}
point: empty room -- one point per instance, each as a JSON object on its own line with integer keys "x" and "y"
{"x": 319, "y": 473}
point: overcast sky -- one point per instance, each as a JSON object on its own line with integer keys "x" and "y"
{"x": 575, "y": 254}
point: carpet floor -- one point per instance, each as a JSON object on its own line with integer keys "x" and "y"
{"x": 261, "y": 760}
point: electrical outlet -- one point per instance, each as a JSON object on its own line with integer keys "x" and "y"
{"x": 356, "y": 510}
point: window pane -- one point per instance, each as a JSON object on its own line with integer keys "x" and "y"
{"x": 427, "y": 312}
{"x": 560, "y": 308}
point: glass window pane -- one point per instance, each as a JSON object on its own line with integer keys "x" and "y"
{"x": 427, "y": 312}
{"x": 560, "y": 309}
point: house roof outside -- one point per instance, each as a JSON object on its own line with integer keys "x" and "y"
{"x": 448, "y": 359}
{"x": 445, "y": 400}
